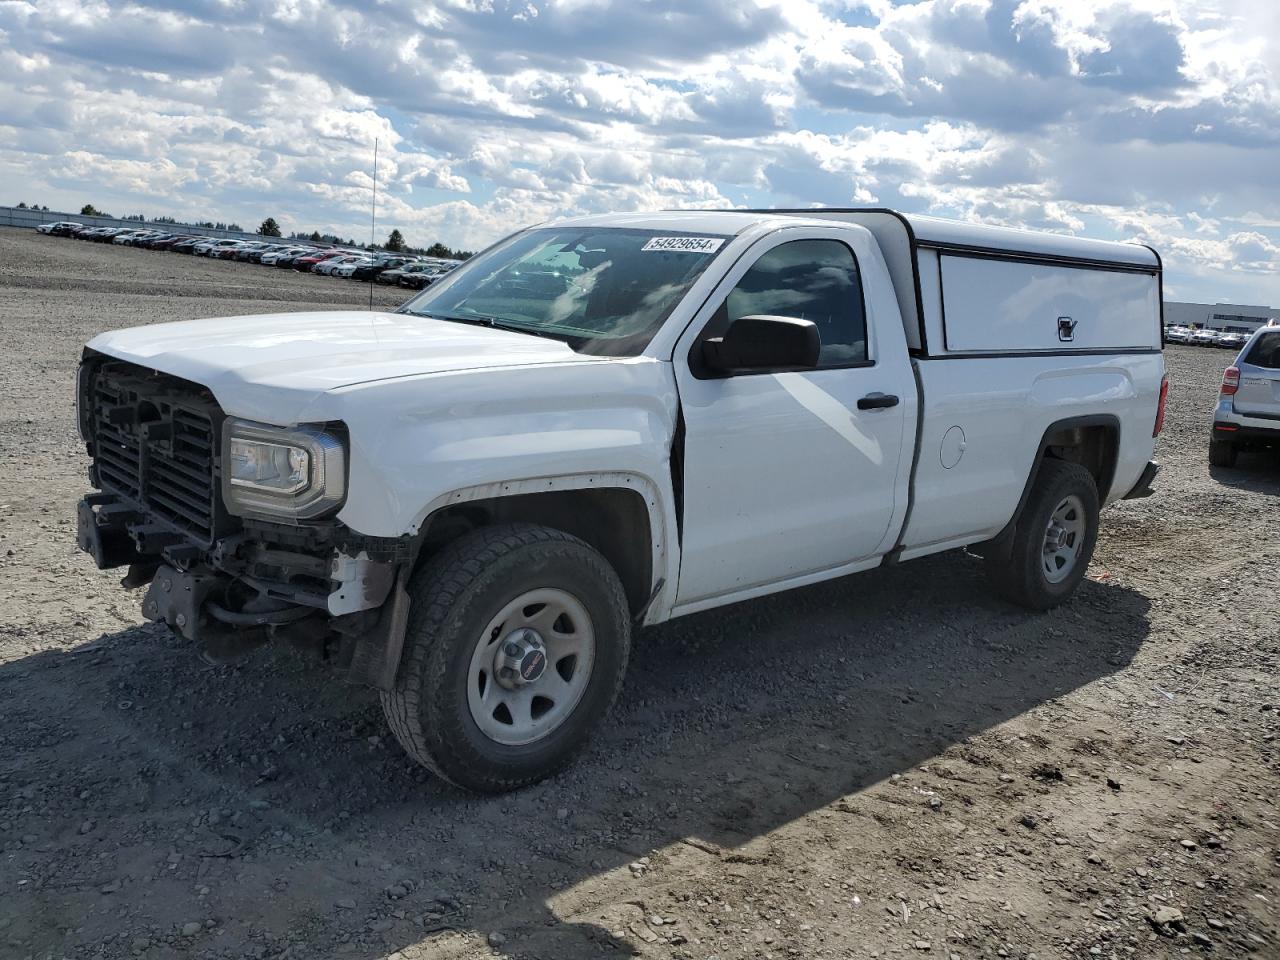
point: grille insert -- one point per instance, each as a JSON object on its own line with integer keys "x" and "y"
{"x": 155, "y": 444}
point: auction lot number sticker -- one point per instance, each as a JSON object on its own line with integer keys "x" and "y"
{"x": 683, "y": 244}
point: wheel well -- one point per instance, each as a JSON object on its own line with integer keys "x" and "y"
{"x": 1095, "y": 447}
{"x": 1093, "y": 443}
{"x": 613, "y": 520}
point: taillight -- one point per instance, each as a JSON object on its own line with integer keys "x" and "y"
{"x": 1230, "y": 381}
{"x": 1164, "y": 399}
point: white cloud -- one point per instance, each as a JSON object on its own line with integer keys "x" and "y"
{"x": 1148, "y": 119}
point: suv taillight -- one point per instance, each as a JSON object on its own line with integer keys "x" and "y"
{"x": 1230, "y": 381}
{"x": 1164, "y": 399}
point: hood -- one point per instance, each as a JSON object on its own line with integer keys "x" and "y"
{"x": 271, "y": 366}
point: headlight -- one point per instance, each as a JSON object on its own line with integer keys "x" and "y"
{"x": 272, "y": 467}
{"x": 298, "y": 473}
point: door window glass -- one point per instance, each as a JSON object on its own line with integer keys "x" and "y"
{"x": 813, "y": 280}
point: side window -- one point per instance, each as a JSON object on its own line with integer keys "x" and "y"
{"x": 813, "y": 280}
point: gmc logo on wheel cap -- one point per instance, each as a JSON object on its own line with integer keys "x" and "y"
{"x": 532, "y": 665}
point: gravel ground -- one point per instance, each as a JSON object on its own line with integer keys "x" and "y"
{"x": 894, "y": 764}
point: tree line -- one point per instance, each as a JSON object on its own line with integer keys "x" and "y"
{"x": 395, "y": 242}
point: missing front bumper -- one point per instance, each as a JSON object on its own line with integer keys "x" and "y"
{"x": 249, "y": 590}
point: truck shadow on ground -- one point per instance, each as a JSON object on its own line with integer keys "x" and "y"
{"x": 266, "y": 802}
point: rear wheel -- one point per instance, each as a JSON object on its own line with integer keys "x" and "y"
{"x": 1053, "y": 540}
{"x": 517, "y": 643}
{"x": 1222, "y": 453}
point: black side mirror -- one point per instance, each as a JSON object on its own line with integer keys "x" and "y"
{"x": 764, "y": 343}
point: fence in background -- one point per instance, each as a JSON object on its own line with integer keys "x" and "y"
{"x": 16, "y": 217}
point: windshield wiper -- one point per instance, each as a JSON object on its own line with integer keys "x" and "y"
{"x": 491, "y": 322}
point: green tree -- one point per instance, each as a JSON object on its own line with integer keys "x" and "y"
{"x": 89, "y": 210}
{"x": 269, "y": 228}
{"x": 315, "y": 236}
{"x": 395, "y": 242}
{"x": 22, "y": 206}
{"x": 438, "y": 249}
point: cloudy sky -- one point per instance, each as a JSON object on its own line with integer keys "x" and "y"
{"x": 1156, "y": 120}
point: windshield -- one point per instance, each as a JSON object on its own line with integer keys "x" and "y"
{"x": 602, "y": 290}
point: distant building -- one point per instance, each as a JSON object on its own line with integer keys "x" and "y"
{"x": 1235, "y": 317}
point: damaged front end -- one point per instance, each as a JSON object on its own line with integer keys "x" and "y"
{"x": 231, "y": 524}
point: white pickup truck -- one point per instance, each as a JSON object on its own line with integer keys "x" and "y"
{"x": 468, "y": 503}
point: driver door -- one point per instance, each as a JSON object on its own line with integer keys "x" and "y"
{"x": 785, "y": 477}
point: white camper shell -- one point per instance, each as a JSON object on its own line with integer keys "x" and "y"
{"x": 970, "y": 289}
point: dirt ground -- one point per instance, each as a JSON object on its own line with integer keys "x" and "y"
{"x": 891, "y": 765}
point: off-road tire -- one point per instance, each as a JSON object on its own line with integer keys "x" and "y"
{"x": 1019, "y": 576}
{"x": 452, "y": 598}
{"x": 1222, "y": 453}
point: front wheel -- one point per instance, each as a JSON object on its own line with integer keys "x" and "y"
{"x": 1053, "y": 540}
{"x": 516, "y": 646}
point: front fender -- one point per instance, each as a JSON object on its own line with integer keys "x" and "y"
{"x": 422, "y": 443}
{"x": 664, "y": 550}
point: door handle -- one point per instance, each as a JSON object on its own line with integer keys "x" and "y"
{"x": 877, "y": 401}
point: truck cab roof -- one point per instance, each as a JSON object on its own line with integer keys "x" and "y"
{"x": 921, "y": 229}
{"x": 719, "y": 222}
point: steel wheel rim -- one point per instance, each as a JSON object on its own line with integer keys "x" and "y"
{"x": 514, "y": 711}
{"x": 1063, "y": 539}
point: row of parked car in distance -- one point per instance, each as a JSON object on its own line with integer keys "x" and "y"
{"x": 384, "y": 267}
{"x": 1204, "y": 337}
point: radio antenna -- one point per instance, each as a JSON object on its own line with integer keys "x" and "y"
{"x": 373, "y": 214}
